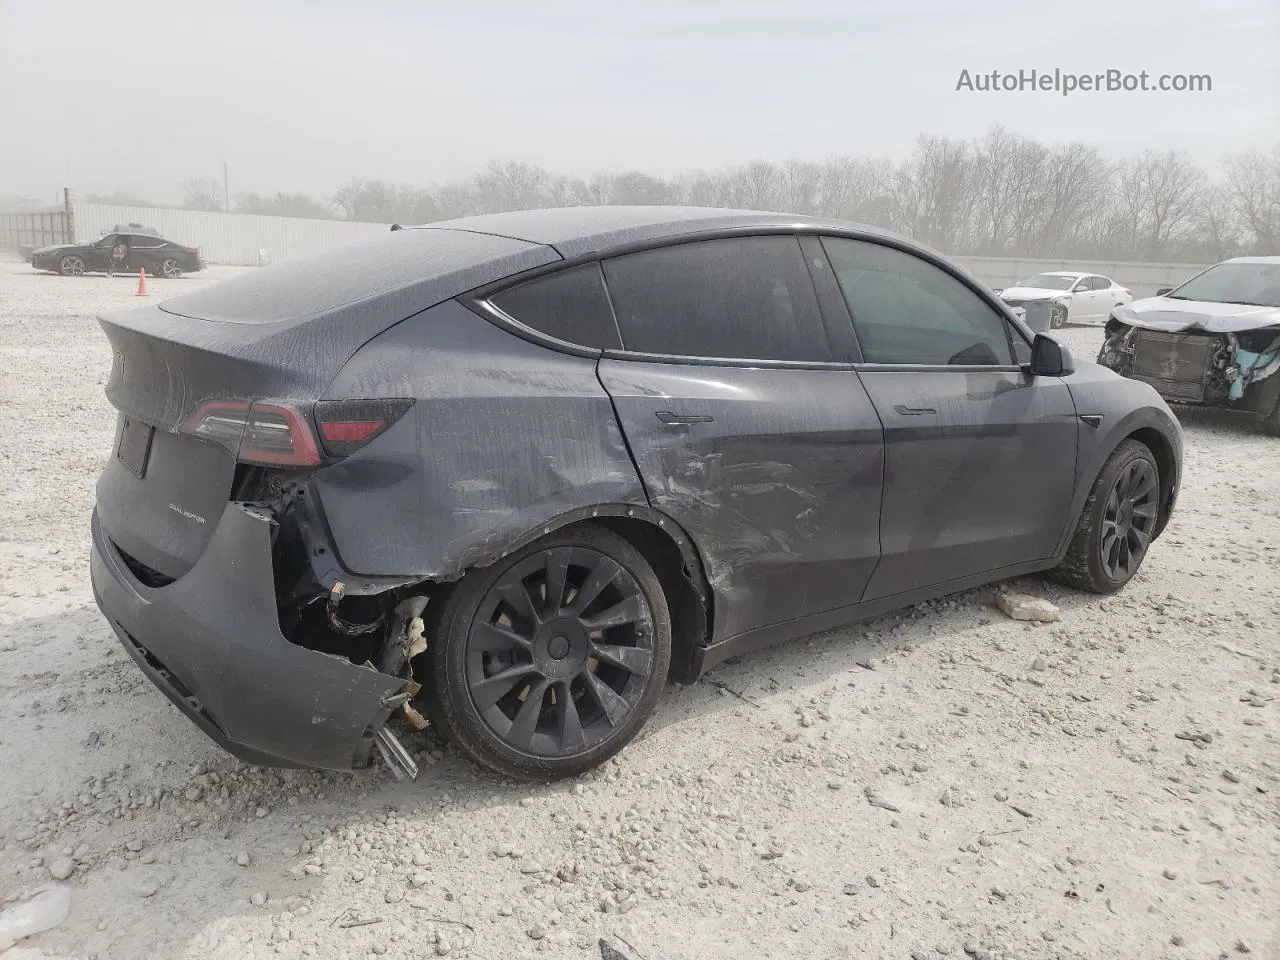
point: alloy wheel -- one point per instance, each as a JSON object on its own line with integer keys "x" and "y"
{"x": 72, "y": 267}
{"x": 171, "y": 269}
{"x": 560, "y": 651}
{"x": 1129, "y": 519}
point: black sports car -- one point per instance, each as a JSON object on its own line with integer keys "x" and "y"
{"x": 508, "y": 474}
{"x": 142, "y": 251}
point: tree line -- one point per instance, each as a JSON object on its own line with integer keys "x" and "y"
{"x": 1001, "y": 194}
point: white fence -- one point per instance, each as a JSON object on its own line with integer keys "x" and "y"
{"x": 229, "y": 238}
{"x": 242, "y": 239}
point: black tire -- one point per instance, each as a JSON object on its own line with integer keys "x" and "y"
{"x": 1057, "y": 317}
{"x": 71, "y": 266}
{"x": 1085, "y": 566}
{"x": 479, "y": 613}
{"x": 170, "y": 268}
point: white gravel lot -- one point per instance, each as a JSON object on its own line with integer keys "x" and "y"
{"x": 941, "y": 783}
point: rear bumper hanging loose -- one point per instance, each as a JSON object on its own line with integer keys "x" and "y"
{"x": 212, "y": 642}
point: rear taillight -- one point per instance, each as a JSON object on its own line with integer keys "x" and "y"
{"x": 347, "y": 425}
{"x": 267, "y": 434}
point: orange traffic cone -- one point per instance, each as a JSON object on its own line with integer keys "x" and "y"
{"x": 142, "y": 282}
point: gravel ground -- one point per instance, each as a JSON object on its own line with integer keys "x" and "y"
{"x": 941, "y": 783}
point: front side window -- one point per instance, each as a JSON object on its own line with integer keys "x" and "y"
{"x": 907, "y": 311}
{"x": 747, "y": 298}
{"x": 1099, "y": 283}
{"x": 571, "y": 305}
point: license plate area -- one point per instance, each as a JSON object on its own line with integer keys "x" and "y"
{"x": 134, "y": 446}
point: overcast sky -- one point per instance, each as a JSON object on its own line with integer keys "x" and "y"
{"x": 294, "y": 95}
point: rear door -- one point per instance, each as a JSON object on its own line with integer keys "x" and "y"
{"x": 745, "y": 426}
{"x": 145, "y": 252}
{"x": 1091, "y": 298}
{"x": 980, "y": 456}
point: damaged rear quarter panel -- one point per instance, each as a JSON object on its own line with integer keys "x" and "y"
{"x": 505, "y": 436}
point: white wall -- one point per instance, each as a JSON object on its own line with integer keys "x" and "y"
{"x": 227, "y": 238}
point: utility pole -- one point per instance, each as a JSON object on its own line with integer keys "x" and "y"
{"x": 226, "y": 189}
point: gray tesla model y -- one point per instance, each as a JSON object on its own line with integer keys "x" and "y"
{"x": 507, "y": 475}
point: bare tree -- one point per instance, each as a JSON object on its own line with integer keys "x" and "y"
{"x": 284, "y": 205}
{"x": 755, "y": 186}
{"x": 1158, "y": 197}
{"x": 512, "y": 185}
{"x": 933, "y": 192}
{"x": 1066, "y": 204}
{"x": 1009, "y": 171}
{"x": 855, "y": 190}
{"x": 1001, "y": 193}
{"x": 801, "y": 188}
{"x": 1216, "y": 233}
{"x": 207, "y": 195}
{"x": 1253, "y": 189}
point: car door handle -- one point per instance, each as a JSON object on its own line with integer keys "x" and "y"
{"x": 681, "y": 419}
{"x": 914, "y": 411}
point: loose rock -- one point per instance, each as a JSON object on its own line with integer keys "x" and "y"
{"x": 1021, "y": 606}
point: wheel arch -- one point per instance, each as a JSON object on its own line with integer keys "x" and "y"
{"x": 1158, "y": 432}
{"x": 667, "y": 547}
{"x": 1163, "y": 450}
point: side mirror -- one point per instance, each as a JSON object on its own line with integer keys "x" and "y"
{"x": 1049, "y": 358}
{"x": 1163, "y": 290}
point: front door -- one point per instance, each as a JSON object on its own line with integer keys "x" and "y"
{"x": 979, "y": 455}
{"x": 98, "y": 256}
{"x": 744, "y": 429}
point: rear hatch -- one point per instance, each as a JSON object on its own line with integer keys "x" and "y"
{"x": 229, "y": 375}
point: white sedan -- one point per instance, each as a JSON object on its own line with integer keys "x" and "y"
{"x": 1072, "y": 297}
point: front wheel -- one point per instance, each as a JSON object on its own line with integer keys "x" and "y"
{"x": 547, "y": 664}
{"x": 1117, "y": 524}
{"x": 71, "y": 267}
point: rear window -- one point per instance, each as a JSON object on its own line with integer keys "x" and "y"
{"x": 571, "y": 305}
{"x": 420, "y": 267}
{"x": 741, "y": 299}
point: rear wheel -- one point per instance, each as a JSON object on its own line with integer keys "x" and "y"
{"x": 71, "y": 267}
{"x": 1117, "y": 523}
{"x": 170, "y": 268}
{"x": 1058, "y": 316}
{"x": 548, "y": 664}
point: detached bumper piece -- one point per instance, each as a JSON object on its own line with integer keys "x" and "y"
{"x": 211, "y": 641}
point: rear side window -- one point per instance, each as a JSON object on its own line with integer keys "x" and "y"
{"x": 747, "y": 298}
{"x": 906, "y": 310}
{"x": 571, "y": 305}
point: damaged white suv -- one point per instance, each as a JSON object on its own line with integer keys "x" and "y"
{"x": 1214, "y": 341}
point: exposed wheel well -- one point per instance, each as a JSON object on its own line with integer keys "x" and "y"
{"x": 1162, "y": 450}
{"x": 684, "y": 583}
